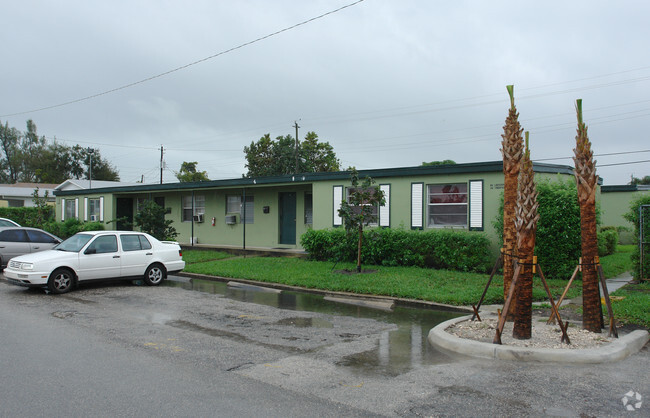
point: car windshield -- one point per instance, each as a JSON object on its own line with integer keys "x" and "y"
{"x": 75, "y": 243}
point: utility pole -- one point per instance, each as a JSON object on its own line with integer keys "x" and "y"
{"x": 90, "y": 167}
{"x": 161, "y": 164}
{"x": 295, "y": 124}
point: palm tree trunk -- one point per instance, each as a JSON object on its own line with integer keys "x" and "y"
{"x": 512, "y": 147}
{"x": 587, "y": 182}
{"x": 526, "y": 224}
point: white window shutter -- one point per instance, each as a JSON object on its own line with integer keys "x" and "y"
{"x": 384, "y": 211}
{"x": 85, "y": 209}
{"x": 62, "y": 210}
{"x": 417, "y": 191}
{"x": 338, "y": 198}
{"x": 101, "y": 209}
{"x": 476, "y": 205}
{"x": 76, "y": 208}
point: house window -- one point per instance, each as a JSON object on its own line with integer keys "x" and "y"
{"x": 94, "y": 209}
{"x": 199, "y": 207}
{"x": 309, "y": 209}
{"x": 70, "y": 208}
{"x": 447, "y": 205}
{"x": 375, "y": 207}
{"x": 234, "y": 205}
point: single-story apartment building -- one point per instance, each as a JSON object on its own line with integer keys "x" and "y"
{"x": 18, "y": 195}
{"x": 274, "y": 211}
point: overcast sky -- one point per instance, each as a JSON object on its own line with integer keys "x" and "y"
{"x": 387, "y": 83}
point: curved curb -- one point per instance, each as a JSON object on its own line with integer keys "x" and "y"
{"x": 614, "y": 351}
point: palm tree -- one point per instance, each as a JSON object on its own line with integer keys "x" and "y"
{"x": 526, "y": 224}
{"x": 587, "y": 181}
{"x": 511, "y": 148}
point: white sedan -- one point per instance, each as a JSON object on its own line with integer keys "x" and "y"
{"x": 97, "y": 255}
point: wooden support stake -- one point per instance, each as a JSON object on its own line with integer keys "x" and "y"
{"x": 504, "y": 315}
{"x": 494, "y": 270}
{"x": 566, "y": 290}
{"x": 612, "y": 326}
{"x": 563, "y": 327}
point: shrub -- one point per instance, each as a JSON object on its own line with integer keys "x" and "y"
{"x": 69, "y": 227}
{"x": 633, "y": 216}
{"x": 28, "y": 216}
{"x": 607, "y": 240}
{"x": 440, "y": 249}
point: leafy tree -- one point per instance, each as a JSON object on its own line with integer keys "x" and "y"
{"x": 443, "y": 162}
{"x": 268, "y": 157}
{"x": 643, "y": 180}
{"x": 188, "y": 173}
{"x": 151, "y": 219}
{"x": 359, "y": 210}
{"x": 27, "y": 157}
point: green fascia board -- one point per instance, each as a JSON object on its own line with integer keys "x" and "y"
{"x": 302, "y": 178}
{"x": 625, "y": 188}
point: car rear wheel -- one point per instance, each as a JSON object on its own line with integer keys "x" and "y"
{"x": 61, "y": 281}
{"x": 155, "y": 274}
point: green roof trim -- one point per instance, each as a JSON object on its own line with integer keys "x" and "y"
{"x": 303, "y": 178}
{"x": 625, "y": 188}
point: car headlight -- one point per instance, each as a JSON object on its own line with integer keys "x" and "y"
{"x": 27, "y": 266}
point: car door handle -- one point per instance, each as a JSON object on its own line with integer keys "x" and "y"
{"x": 149, "y": 253}
{"x": 116, "y": 256}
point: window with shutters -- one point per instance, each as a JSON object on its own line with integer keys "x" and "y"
{"x": 447, "y": 205}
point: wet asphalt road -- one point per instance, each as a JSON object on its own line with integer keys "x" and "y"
{"x": 124, "y": 350}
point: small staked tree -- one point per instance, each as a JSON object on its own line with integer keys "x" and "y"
{"x": 359, "y": 209}
{"x": 587, "y": 182}
{"x": 512, "y": 149}
{"x": 526, "y": 224}
{"x": 151, "y": 219}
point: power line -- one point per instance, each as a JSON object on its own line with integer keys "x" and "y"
{"x": 182, "y": 67}
{"x": 596, "y": 155}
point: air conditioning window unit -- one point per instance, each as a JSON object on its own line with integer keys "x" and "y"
{"x": 198, "y": 218}
{"x": 93, "y": 218}
{"x": 231, "y": 219}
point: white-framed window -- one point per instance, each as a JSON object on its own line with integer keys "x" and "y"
{"x": 70, "y": 209}
{"x": 199, "y": 207}
{"x": 375, "y": 207}
{"x": 234, "y": 205}
{"x": 447, "y": 205}
{"x": 94, "y": 209}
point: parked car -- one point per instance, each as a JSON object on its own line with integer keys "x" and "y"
{"x": 97, "y": 255}
{"x": 15, "y": 241}
{"x": 8, "y": 222}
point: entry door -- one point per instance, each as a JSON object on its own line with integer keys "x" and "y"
{"x": 288, "y": 218}
{"x": 124, "y": 214}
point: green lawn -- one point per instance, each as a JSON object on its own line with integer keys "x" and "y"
{"x": 441, "y": 286}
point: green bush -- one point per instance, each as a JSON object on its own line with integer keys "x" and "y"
{"x": 607, "y": 240}
{"x": 439, "y": 249}
{"x": 69, "y": 227}
{"x": 633, "y": 216}
{"x": 28, "y": 216}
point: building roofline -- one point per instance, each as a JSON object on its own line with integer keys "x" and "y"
{"x": 625, "y": 188}
{"x": 304, "y": 178}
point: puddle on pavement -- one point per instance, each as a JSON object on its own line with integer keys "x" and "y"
{"x": 397, "y": 352}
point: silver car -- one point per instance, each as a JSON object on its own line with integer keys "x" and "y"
{"x": 15, "y": 241}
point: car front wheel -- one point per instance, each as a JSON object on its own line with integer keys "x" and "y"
{"x": 155, "y": 274}
{"x": 60, "y": 281}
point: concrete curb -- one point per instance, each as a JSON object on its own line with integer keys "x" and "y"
{"x": 614, "y": 351}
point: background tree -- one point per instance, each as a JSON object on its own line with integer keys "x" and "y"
{"x": 443, "y": 162}
{"x": 512, "y": 150}
{"x": 268, "y": 157}
{"x": 151, "y": 219}
{"x": 188, "y": 173}
{"x": 587, "y": 182}
{"x": 642, "y": 180}
{"x": 359, "y": 210}
{"x": 26, "y": 157}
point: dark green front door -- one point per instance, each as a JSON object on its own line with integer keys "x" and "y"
{"x": 124, "y": 212}
{"x": 288, "y": 218}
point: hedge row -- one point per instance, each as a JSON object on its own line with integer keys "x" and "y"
{"x": 30, "y": 217}
{"x": 607, "y": 240}
{"x": 440, "y": 249}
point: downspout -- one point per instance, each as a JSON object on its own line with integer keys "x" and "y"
{"x": 244, "y": 217}
{"x": 192, "y": 230}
